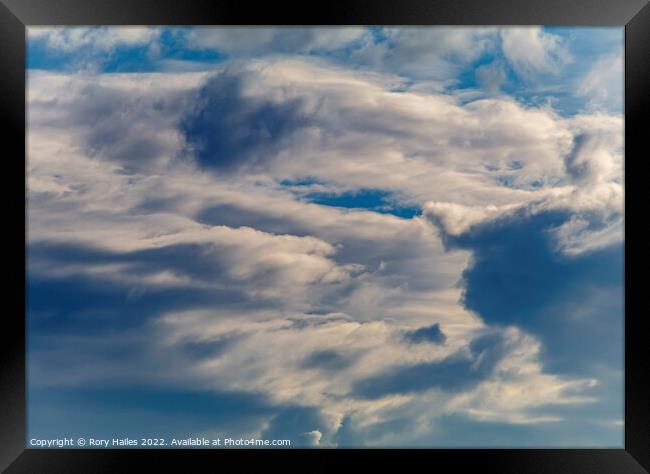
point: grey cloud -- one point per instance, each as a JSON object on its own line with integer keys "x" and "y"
{"x": 152, "y": 205}
{"x": 228, "y": 130}
{"x": 186, "y": 259}
{"x": 235, "y": 216}
{"x": 315, "y": 318}
{"x": 203, "y": 262}
{"x": 199, "y": 262}
{"x": 491, "y": 76}
{"x": 401, "y": 260}
{"x": 574, "y": 167}
{"x": 133, "y": 129}
{"x": 426, "y": 334}
{"x": 426, "y": 53}
{"x": 455, "y": 373}
{"x": 585, "y": 163}
{"x": 257, "y": 41}
{"x": 352, "y": 249}
{"x": 211, "y": 348}
{"x": 327, "y": 360}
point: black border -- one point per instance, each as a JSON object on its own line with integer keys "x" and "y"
{"x": 16, "y": 14}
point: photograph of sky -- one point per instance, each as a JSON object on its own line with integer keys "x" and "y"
{"x": 341, "y": 236}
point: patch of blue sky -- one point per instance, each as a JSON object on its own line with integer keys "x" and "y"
{"x": 300, "y": 182}
{"x": 116, "y": 412}
{"x": 375, "y": 200}
{"x": 589, "y": 43}
{"x": 467, "y": 78}
{"x": 39, "y": 56}
{"x": 173, "y": 46}
{"x": 119, "y": 59}
{"x": 378, "y": 34}
{"x": 128, "y": 59}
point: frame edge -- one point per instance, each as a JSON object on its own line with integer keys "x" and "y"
{"x": 637, "y": 365}
{"x": 12, "y": 341}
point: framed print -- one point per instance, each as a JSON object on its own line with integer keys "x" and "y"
{"x": 311, "y": 235}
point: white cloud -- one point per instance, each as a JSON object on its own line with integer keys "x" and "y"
{"x": 314, "y": 437}
{"x": 256, "y": 40}
{"x": 99, "y": 39}
{"x": 436, "y": 54}
{"x": 491, "y": 76}
{"x": 577, "y": 236}
{"x": 602, "y": 86}
{"x": 532, "y": 52}
{"x": 456, "y": 219}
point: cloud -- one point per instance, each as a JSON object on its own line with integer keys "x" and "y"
{"x": 259, "y": 41}
{"x": 427, "y": 334}
{"x": 225, "y": 278}
{"x": 532, "y": 51}
{"x": 578, "y": 235}
{"x": 575, "y": 70}
{"x": 547, "y": 302}
{"x": 221, "y": 257}
{"x": 590, "y": 162}
{"x": 112, "y": 117}
{"x": 339, "y": 125}
{"x": 226, "y": 129}
{"x": 295, "y": 420}
{"x": 456, "y": 219}
{"x": 456, "y": 372}
{"x": 314, "y": 437}
{"x": 97, "y": 38}
{"x": 345, "y": 115}
{"x": 491, "y": 76}
{"x": 602, "y": 86}
{"x": 436, "y": 54}
{"x": 326, "y": 360}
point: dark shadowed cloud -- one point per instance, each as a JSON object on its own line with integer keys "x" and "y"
{"x": 574, "y": 304}
{"x": 235, "y": 216}
{"x": 456, "y": 372}
{"x": 327, "y": 360}
{"x": 128, "y": 128}
{"x": 78, "y": 302}
{"x": 426, "y": 334}
{"x": 200, "y": 350}
{"x": 228, "y": 130}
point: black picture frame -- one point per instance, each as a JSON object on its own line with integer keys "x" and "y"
{"x": 15, "y": 15}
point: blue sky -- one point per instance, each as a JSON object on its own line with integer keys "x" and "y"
{"x": 339, "y": 236}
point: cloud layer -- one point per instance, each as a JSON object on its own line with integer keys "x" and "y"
{"x": 214, "y": 230}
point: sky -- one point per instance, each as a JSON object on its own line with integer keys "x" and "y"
{"x": 340, "y": 236}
